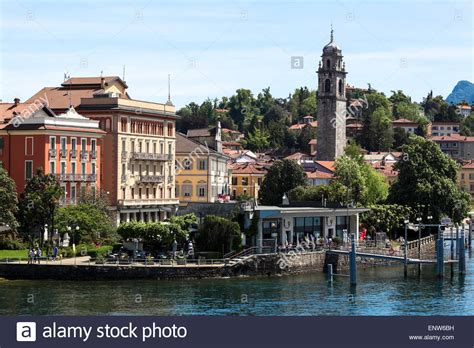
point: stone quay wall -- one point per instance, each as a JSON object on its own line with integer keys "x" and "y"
{"x": 257, "y": 265}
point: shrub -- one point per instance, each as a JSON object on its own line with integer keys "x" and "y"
{"x": 218, "y": 234}
{"x": 11, "y": 244}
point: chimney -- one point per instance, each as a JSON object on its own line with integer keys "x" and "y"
{"x": 17, "y": 101}
{"x": 102, "y": 83}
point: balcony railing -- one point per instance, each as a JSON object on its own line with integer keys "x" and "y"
{"x": 151, "y": 156}
{"x": 84, "y": 155}
{"x": 73, "y": 153}
{"x": 53, "y": 153}
{"x": 78, "y": 177}
{"x": 93, "y": 154}
{"x": 63, "y": 153}
{"x": 150, "y": 179}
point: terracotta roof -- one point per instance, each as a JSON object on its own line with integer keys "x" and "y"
{"x": 10, "y": 110}
{"x": 327, "y": 164}
{"x": 248, "y": 168}
{"x": 319, "y": 175}
{"x": 469, "y": 165}
{"x": 313, "y": 142}
{"x": 308, "y": 117}
{"x": 227, "y": 130}
{"x": 93, "y": 80}
{"x": 452, "y": 137}
{"x": 465, "y": 107}
{"x": 385, "y": 168}
{"x": 297, "y": 126}
{"x": 231, "y": 143}
{"x": 221, "y": 110}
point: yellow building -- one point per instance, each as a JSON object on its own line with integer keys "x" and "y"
{"x": 247, "y": 179}
{"x": 467, "y": 178}
{"x": 202, "y": 173}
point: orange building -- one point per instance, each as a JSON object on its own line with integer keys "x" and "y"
{"x": 66, "y": 145}
{"x": 139, "y": 144}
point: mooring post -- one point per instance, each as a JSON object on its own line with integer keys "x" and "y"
{"x": 440, "y": 254}
{"x": 353, "y": 266}
{"x": 405, "y": 261}
{"x": 469, "y": 235}
{"x": 457, "y": 241}
{"x": 330, "y": 273}
{"x": 462, "y": 255}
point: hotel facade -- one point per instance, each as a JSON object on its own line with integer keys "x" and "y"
{"x": 138, "y": 146}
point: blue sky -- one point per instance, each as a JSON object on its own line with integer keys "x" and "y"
{"x": 211, "y": 48}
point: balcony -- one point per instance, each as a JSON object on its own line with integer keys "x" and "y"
{"x": 93, "y": 154}
{"x": 77, "y": 177}
{"x": 145, "y": 179}
{"x": 151, "y": 156}
{"x": 53, "y": 153}
{"x": 63, "y": 153}
{"x": 84, "y": 155}
{"x": 73, "y": 153}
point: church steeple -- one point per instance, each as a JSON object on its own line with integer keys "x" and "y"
{"x": 331, "y": 131}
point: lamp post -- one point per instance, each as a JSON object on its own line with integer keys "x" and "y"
{"x": 76, "y": 229}
{"x": 405, "y": 246}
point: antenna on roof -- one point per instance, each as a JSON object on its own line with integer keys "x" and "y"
{"x": 101, "y": 72}
{"x": 123, "y": 74}
{"x": 169, "y": 102}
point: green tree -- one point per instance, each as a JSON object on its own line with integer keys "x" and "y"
{"x": 400, "y": 137}
{"x": 281, "y": 177}
{"x": 428, "y": 178}
{"x": 218, "y": 234}
{"x": 306, "y": 134}
{"x": 349, "y": 174}
{"x": 94, "y": 223}
{"x": 354, "y": 151}
{"x": 8, "y": 201}
{"x": 380, "y": 131}
{"x": 467, "y": 125}
{"x": 241, "y": 107}
{"x": 258, "y": 140}
{"x": 377, "y": 186}
{"x": 388, "y": 217}
{"x": 38, "y": 203}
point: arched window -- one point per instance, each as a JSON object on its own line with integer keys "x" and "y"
{"x": 328, "y": 63}
{"x": 107, "y": 124}
{"x": 341, "y": 88}
{"x": 327, "y": 86}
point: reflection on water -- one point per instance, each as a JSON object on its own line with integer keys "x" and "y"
{"x": 380, "y": 291}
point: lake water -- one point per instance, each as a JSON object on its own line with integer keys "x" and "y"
{"x": 380, "y": 291}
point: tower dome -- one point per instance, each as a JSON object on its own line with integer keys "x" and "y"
{"x": 331, "y": 47}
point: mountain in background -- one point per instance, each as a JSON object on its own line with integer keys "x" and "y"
{"x": 464, "y": 90}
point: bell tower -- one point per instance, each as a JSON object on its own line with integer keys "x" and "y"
{"x": 331, "y": 112}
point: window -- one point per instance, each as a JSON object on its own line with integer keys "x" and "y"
{"x": 147, "y": 147}
{"x": 132, "y": 146}
{"x": 124, "y": 145}
{"x": 245, "y": 181}
{"x": 73, "y": 144}
{"x": 187, "y": 189}
{"x": 29, "y": 146}
{"x": 328, "y": 63}
{"x": 154, "y": 147}
{"x": 52, "y": 143}
{"x": 63, "y": 143}
{"x": 188, "y": 164}
{"x": 124, "y": 169}
{"x": 139, "y": 146}
{"x": 341, "y": 88}
{"x": 28, "y": 170}
{"x": 234, "y": 180}
{"x": 202, "y": 164}
{"x": 52, "y": 167}
{"x": 132, "y": 191}
{"x": 93, "y": 168}
{"x": 170, "y": 148}
{"x": 73, "y": 167}
{"x": 83, "y": 168}
{"x": 93, "y": 144}
{"x": 124, "y": 193}
{"x": 170, "y": 130}
{"x": 63, "y": 168}
{"x": 327, "y": 86}
{"x": 83, "y": 144}
{"x": 73, "y": 193}
{"x": 147, "y": 193}
{"x": 201, "y": 189}
{"x": 1, "y": 146}
{"x": 140, "y": 193}
{"x": 162, "y": 148}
